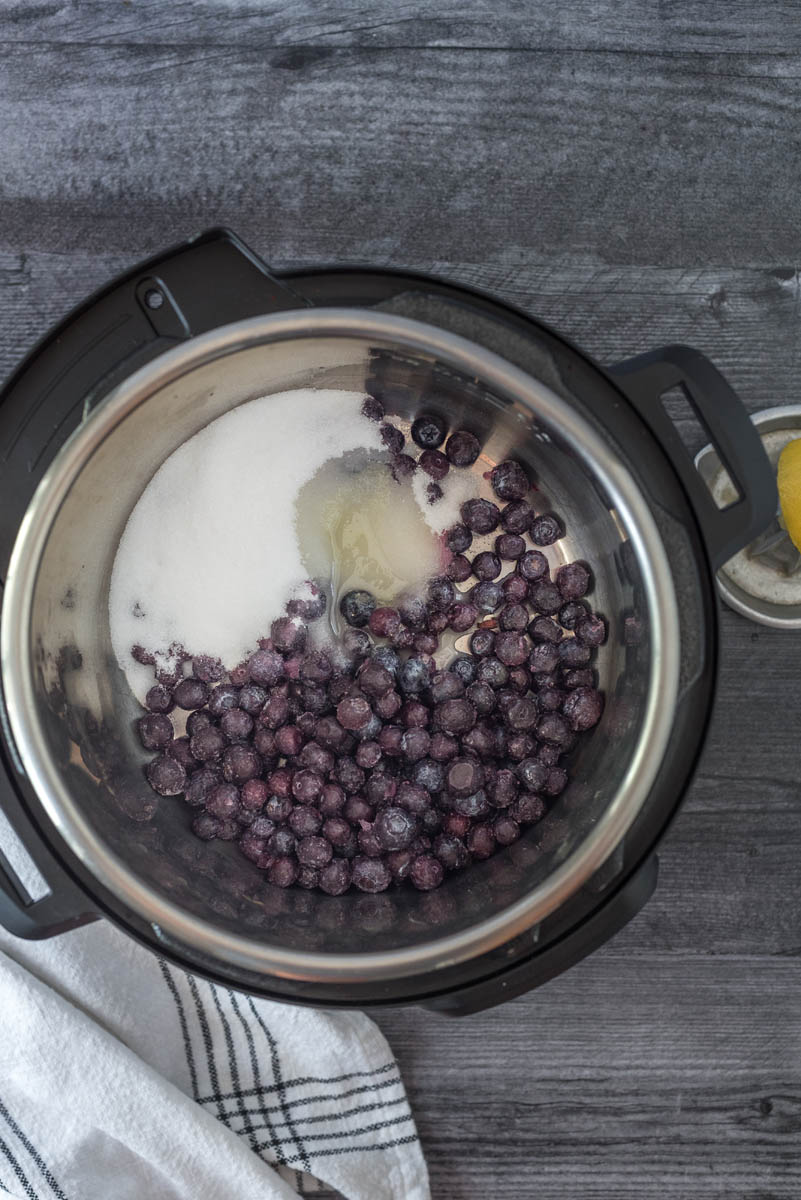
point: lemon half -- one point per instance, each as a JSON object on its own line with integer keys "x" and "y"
{"x": 788, "y": 481}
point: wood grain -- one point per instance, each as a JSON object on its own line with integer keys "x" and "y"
{"x": 627, "y": 171}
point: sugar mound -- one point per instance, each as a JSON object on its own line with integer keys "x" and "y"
{"x": 210, "y": 553}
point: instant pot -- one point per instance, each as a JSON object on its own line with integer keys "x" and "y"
{"x": 144, "y": 364}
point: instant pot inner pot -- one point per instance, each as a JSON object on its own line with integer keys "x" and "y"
{"x": 84, "y": 712}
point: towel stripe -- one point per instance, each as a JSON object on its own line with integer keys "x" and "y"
{"x": 207, "y": 1040}
{"x": 254, "y": 1059}
{"x": 18, "y": 1171}
{"x": 348, "y": 1134}
{"x": 233, "y": 1067}
{"x": 34, "y": 1153}
{"x": 302, "y": 1079}
{"x": 190, "y": 1058}
{"x": 336, "y": 1116}
{"x": 403, "y": 1141}
{"x": 304, "y": 1100}
{"x": 276, "y": 1065}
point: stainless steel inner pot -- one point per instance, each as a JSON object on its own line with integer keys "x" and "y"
{"x": 72, "y": 715}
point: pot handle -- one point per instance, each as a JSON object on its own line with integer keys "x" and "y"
{"x": 210, "y": 280}
{"x": 644, "y": 380}
{"x": 64, "y": 906}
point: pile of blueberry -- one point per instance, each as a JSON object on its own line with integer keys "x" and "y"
{"x": 377, "y": 766}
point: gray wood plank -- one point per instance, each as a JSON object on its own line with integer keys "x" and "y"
{"x": 629, "y": 1078}
{"x": 392, "y": 155}
{"x": 741, "y": 26}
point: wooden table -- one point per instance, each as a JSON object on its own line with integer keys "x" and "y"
{"x": 630, "y": 172}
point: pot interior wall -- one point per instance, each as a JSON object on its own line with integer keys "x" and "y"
{"x": 88, "y": 714}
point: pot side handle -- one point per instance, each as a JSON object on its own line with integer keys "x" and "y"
{"x": 210, "y": 280}
{"x": 64, "y": 906}
{"x": 644, "y": 380}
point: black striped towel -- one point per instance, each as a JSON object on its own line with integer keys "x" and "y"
{"x": 122, "y": 1076}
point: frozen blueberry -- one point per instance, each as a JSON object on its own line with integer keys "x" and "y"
{"x": 275, "y": 711}
{"x": 426, "y": 872}
{"x": 166, "y": 776}
{"x": 191, "y": 693}
{"x": 209, "y": 669}
{"x": 240, "y": 763}
{"x": 545, "y": 597}
{"x": 573, "y": 580}
{"x": 509, "y": 481}
{"x": 511, "y": 648}
{"x": 426, "y": 643}
{"x": 356, "y": 607}
{"x": 403, "y": 465}
{"x": 505, "y": 830}
{"x": 252, "y": 698}
{"x": 288, "y": 634}
{"x": 415, "y": 744}
{"x": 368, "y": 754}
{"x": 557, "y": 781}
{"x": 437, "y": 622}
{"x": 544, "y": 658}
{"x": 482, "y": 697}
{"x": 155, "y": 731}
{"x": 207, "y": 744}
{"x": 517, "y": 517}
{"x": 201, "y": 785}
{"x": 583, "y": 708}
{"x": 465, "y": 666}
{"x": 307, "y": 786}
{"x": 480, "y": 516}
{"x": 311, "y": 606}
{"x": 527, "y": 809}
{"x": 253, "y": 795}
{"x": 459, "y": 538}
{"x": 492, "y": 672}
{"x": 455, "y": 824}
{"x": 482, "y": 643}
{"x": 576, "y": 677}
{"x": 288, "y": 740}
{"x": 370, "y": 874}
{"x": 443, "y": 747}
{"x": 509, "y": 546}
{"x": 519, "y": 679}
{"x": 304, "y": 820}
{"x": 264, "y": 742}
{"x": 550, "y": 699}
{"x": 462, "y": 448}
{"x": 392, "y": 438}
{"x": 543, "y": 629}
{"x": 487, "y": 596}
{"x": 223, "y": 697}
{"x": 459, "y": 568}
{"x": 503, "y": 789}
{"x": 521, "y": 714}
{"x": 385, "y": 622}
{"x": 434, "y": 463}
{"x": 223, "y": 801}
{"x": 353, "y": 713}
{"x": 180, "y": 749}
{"x": 474, "y": 806}
{"x": 591, "y": 631}
{"x": 316, "y": 668}
{"x": 373, "y": 409}
{"x": 545, "y": 530}
{"x": 440, "y": 593}
{"x": 159, "y": 699}
{"x": 313, "y": 851}
{"x": 413, "y": 797}
{"x": 266, "y": 668}
{"x": 206, "y": 827}
{"x": 332, "y": 800}
{"x": 462, "y": 616}
{"x": 355, "y": 644}
{"x": 279, "y": 782}
{"x": 486, "y": 565}
{"x": 455, "y": 716}
{"x": 573, "y": 653}
{"x": 480, "y": 740}
{"x": 335, "y": 878}
{"x": 429, "y": 774}
{"x": 414, "y": 674}
{"x": 553, "y": 728}
{"x": 283, "y": 871}
{"x": 336, "y": 830}
{"x": 481, "y": 841}
{"x": 571, "y": 613}
{"x": 513, "y": 618}
{"x": 282, "y": 841}
{"x": 532, "y": 565}
{"x": 532, "y": 773}
{"x": 515, "y": 589}
{"x": 236, "y": 725}
{"x": 464, "y": 776}
{"x": 390, "y": 739}
{"x": 388, "y": 705}
{"x": 451, "y": 852}
{"x": 395, "y": 828}
{"x": 428, "y": 431}
{"x": 349, "y": 774}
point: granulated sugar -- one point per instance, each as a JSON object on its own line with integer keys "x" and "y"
{"x": 210, "y": 553}
{"x": 457, "y": 486}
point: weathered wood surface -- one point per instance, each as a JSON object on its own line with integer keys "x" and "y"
{"x": 628, "y": 171}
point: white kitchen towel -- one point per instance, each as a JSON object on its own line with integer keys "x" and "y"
{"x": 125, "y": 1078}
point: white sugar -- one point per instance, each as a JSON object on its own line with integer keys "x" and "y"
{"x": 457, "y": 486}
{"x": 210, "y": 553}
